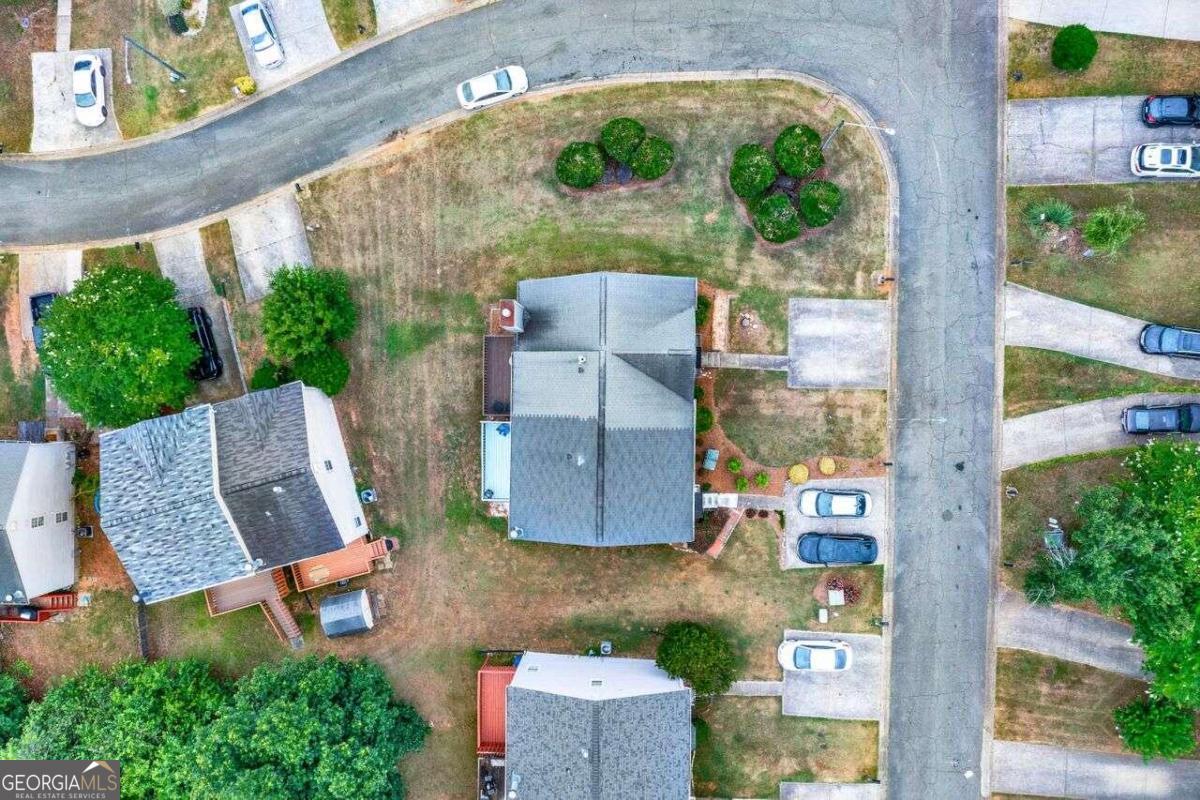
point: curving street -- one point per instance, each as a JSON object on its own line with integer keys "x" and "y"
{"x": 926, "y": 68}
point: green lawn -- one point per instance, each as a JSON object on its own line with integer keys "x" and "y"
{"x": 1035, "y": 380}
{"x": 350, "y": 20}
{"x": 745, "y": 747}
{"x": 22, "y": 389}
{"x": 1124, "y": 65}
{"x": 141, "y": 257}
{"x": 1154, "y": 278}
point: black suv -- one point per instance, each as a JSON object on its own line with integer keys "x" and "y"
{"x": 1171, "y": 109}
{"x": 1184, "y": 418}
{"x": 38, "y": 305}
{"x": 209, "y": 365}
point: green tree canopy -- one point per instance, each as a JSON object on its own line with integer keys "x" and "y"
{"x": 820, "y": 202}
{"x": 752, "y": 171}
{"x": 118, "y": 347}
{"x": 798, "y": 151}
{"x": 327, "y": 369}
{"x": 1157, "y": 728}
{"x": 1074, "y": 48}
{"x": 307, "y": 310}
{"x": 776, "y": 220}
{"x": 653, "y": 158}
{"x": 580, "y": 165}
{"x": 13, "y": 700}
{"x": 699, "y": 654}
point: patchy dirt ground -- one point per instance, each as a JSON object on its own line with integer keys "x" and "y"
{"x": 26, "y": 27}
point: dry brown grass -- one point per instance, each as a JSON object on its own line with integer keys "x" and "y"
{"x": 17, "y": 43}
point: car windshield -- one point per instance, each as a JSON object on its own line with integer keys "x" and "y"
{"x": 824, "y": 504}
{"x": 85, "y": 99}
{"x": 468, "y": 95}
{"x": 839, "y": 659}
{"x": 1185, "y": 418}
{"x": 503, "y": 81}
{"x": 803, "y": 658}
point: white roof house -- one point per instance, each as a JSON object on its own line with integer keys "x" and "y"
{"x": 37, "y": 519}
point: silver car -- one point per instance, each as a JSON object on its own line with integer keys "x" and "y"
{"x": 260, "y": 30}
{"x": 493, "y": 87}
{"x": 87, "y": 84}
{"x": 1165, "y": 160}
{"x": 834, "y": 503}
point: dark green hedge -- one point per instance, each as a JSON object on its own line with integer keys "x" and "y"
{"x": 580, "y": 165}
{"x": 620, "y": 138}
{"x": 752, "y": 171}
{"x": 798, "y": 151}
{"x": 776, "y": 220}
{"x": 820, "y": 202}
{"x": 327, "y": 369}
{"x": 1074, "y": 48}
{"x": 653, "y": 158}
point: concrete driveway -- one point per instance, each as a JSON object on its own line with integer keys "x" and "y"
{"x": 1036, "y": 319}
{"x": 830, "y": 791}
{"x": 45, "y": 271}
{"x": 54, "y": 123}
{"x": 266, "y": 237}
{"x": 304, "y": 35}
{"x": 839, "y": 344}
{"x": 856, "y": 693}
{"x": 1080, "y": 139}
{"x": 1022, "y": 768}
{"x": 391, "y": 15}
{"x": 1081, "y": 428}
{"x": 796, "y": 524}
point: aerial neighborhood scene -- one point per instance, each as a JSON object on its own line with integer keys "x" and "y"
{"x": 612, "y": 400}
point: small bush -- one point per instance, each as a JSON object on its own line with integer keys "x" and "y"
{"x": 734, "y": 465}
{"x": 742, "y": 483}
{"x": 327, "y": 369}
{"x": 1155, "y": 727}
{"x": 820, "y": 202}
{"x": 703, "y": 308}
{"x": 704, "y": 419}
{"x": 798, "y": 151}
{"x": 245, "y": 85}
{"x": 1074, "y": 48}
{"x": 620, "y": 138}
{"x": 270, "y": 375}
{"x": 698, "y": 392}
{"x": 752, "y": 171}
{"x": 1040, "y": 214}
{"x": 653, "y": 159}
{"x": 579, "y": 165}
{"x": 776, "y": 220}
{"x": 699, "y": 654}
{"x": 761, "y": 480}
{"x": 1109, "y": 229}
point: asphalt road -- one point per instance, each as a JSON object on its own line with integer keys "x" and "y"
{"x": 925, "y": 67}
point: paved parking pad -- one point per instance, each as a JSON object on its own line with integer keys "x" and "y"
{"x": 830, "y": 791}
{"x": 391, "y": 15}
{"x": 839, "y": 344}
{"x": 304, "y": 35}
{"x": 45, "y": 271}
{"x": 796, "y": 525}
{"x": 266, "y": 237}
{"x": 54, "y": 123}
{"x": 856, "y": 693}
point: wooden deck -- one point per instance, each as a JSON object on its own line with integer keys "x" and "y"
{"x": 351, "y": 561}
{"x": 267, "y": 590}
{"x": 491, "y": 702}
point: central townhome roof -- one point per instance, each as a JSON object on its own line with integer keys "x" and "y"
{"x": 603, "y": 410}
{"x": 214, "y": 493}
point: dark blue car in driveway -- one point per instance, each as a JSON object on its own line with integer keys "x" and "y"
{"x": 1164, "y": 340}
{"x": 837, "y": 548}
{"x": 1183, "y": 418}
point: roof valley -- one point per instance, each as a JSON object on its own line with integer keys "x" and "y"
{"x": 602, "y": 356}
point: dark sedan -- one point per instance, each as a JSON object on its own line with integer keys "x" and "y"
{"x": 1167, "y": 341}
{"x": 1171, "y": 109}
{"x": 209, "y": 365}
{"x": 838, "y": 548}
{"x": 39, "y": 304}
{"x": 1184, "y": 418}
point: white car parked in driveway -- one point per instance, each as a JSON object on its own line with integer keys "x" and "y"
{"x": 834, "y": 503}
{"x": 493, "y": 87}
{"x": 1165, "y": 160}
{"x": 815, "y": 655}
{"x": 260, "y": 30}
{"x": 87, "y": 83}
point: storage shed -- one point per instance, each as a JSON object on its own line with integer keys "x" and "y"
{"x": 347, "y": 613}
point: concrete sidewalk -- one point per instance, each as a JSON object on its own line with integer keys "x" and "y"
{"x": 715, "y": 359}
{"x": 1079, "y": 139}
{"x": 1066, "y": 633}
{"x": 1168, "y": 19}
{"x": 1081, "y": 428}
{"x": 1041, "y": 770}
{"x": 1036, "y": 319}
{"x": 829, "y": 791}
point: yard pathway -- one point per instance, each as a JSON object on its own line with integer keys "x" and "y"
{"x": 1079, "y": 139}
{"x": 829, "y": 791}
{"x": 839, "y": 344}
{"x": 1169, "y": 19}
{"x": 1090, "y": 427}
{"x": 1037, "y": 319}
{"x": 1066, "y": 633}
{"x": 711, "y": 359}
{"x": 1022, "y": 768}
{"x": 62, "y": 26}
{"x": 756, "y": 689}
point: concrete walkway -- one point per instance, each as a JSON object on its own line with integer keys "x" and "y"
{"x": 756, "y": 689}
{"x": 839, "y": 344}
{"x": 1066, "y": 633}
{"x": 1037, "y": 319}
{"x": 1079, "y": 139}
{"x": 62, "y": 27}
{"x": 1091, "y": 427}
{"x": 711, "y": 359}
{"x": 1041, "y": 770}
{"x": 830, "y": 791}
{"x": 1169, "y": 19}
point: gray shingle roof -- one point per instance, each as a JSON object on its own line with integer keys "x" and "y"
{"x": 603, "y": 411}
{"x": 159, "y": 507}
{"x": 12, "y": 463}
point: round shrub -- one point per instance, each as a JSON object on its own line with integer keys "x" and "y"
{"x": 761, "y": 480}
{"x": 734, "y": 465}
{"x": 653, "y": 158}
{"x": 579, "y": 165}
{"x": 820, "y": 202}
{"x": 798, "y": 151}
{"x": 742, "y": 483}
{"x": 752, "y": 171}
{"x": 699, "y": 654}
{"x": 327, "y": 370}
{"x": 620, "y": 138}
{"x": 245, "y": 85}
{"x": 1074, "y": 48}
{"x": 704, "y": 419}
{"x": 776, "y": 219}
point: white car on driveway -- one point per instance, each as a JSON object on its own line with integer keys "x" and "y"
{"x": 815, "y": 655}
{"x": 834, "y": 503}
{"x": 87, "y": 83}
{"x": 493, "y": 87}
{"x": 1166, "y": 160}
{"x": 260, "y": 30}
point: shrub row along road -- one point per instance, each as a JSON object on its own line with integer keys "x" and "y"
{"x": 928, "y": 69}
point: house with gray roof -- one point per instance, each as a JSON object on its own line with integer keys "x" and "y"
{"x": 597, "y": 728}
{"x": 37, "y": 519}
{"x": 600, "y": 440}
{"x": 224, "y": 491}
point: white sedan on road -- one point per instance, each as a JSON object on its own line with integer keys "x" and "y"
{"x": 493, "y": 87}
{"x": 87, "y": 83}
{"x": 834, "y": 503}
{"x": 260, "y": 30}
{"x": 1166, "y": 160}
{"x": 815, "y": 655}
